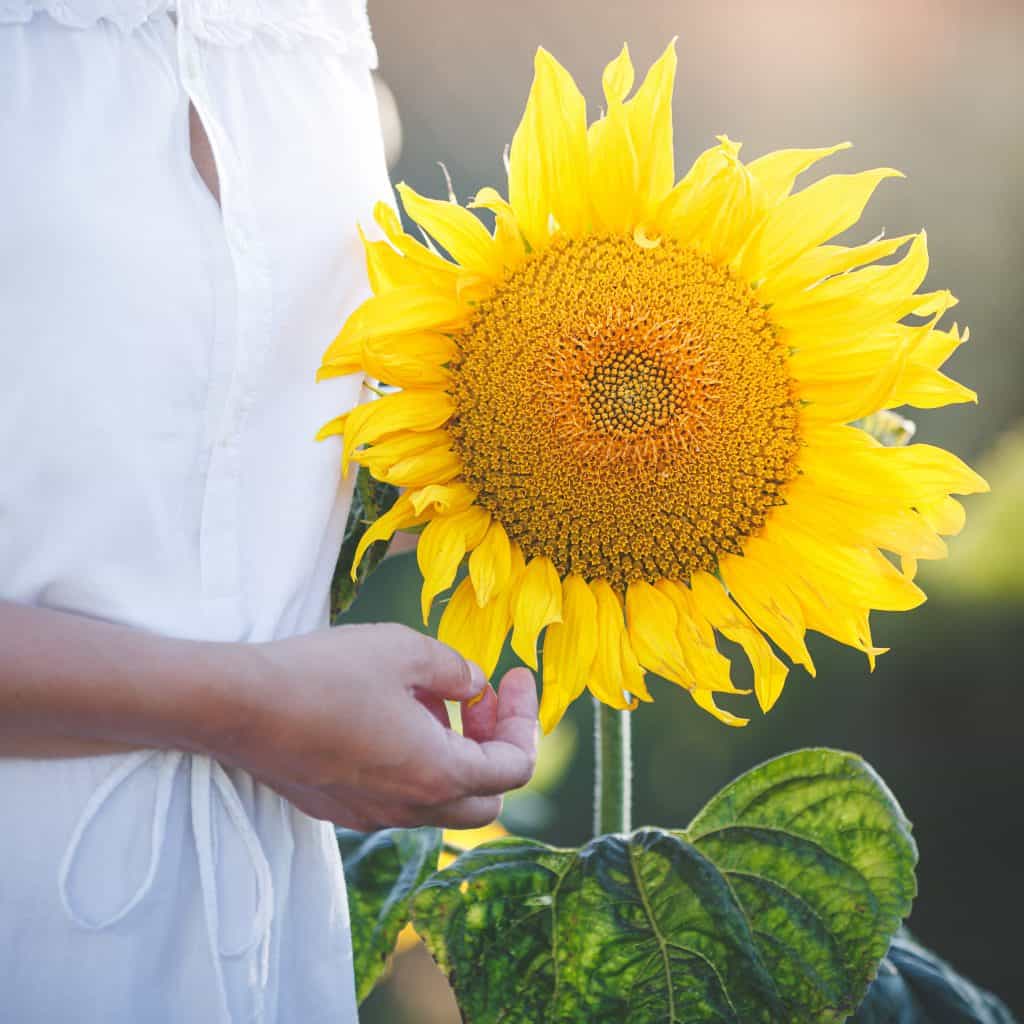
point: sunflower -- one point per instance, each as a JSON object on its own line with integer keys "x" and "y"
{"x": 632, "y": 404}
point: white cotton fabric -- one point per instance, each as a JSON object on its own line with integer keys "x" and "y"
{"x": 157, "y": 359}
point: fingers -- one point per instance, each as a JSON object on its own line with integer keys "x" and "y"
{"x": 505, "y": 761}
{"x": 436, "y": 706}
{"x": 469, "y": 812}
{"x": 517, "y": 711}
{"x": 480, "y": 715}
{"x": 445, "y": 673}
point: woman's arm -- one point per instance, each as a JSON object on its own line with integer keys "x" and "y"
{"x": 348, "y": 723}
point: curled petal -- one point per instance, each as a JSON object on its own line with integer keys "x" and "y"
{"x": 400, "y": 516}
{"x": 441, "y": 548}
{"x": 478, "y": 634}
{"x": 769, "y": 672}
{"x": 537, "y": 603}
{"x": 490, "y": 565}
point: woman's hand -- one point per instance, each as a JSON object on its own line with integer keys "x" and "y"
{"x": 351, "y": 726}
{"x": 348, "y": 723}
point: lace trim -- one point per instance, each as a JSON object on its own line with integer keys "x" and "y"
{"x": 342, "y": 24}
{"x": 126, "y": 14}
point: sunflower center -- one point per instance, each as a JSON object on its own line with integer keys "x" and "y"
{"x": 626, "y": 411}
{"x": 628, "y": 392}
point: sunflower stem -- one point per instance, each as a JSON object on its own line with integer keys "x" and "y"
{"x": 613, "y": 770}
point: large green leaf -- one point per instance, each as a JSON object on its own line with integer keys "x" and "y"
{"x": 915, "y": 987}
{"x": 370, "y": 500}
{"x": 382, "y": 871}
{"x": 775, "y": 906}
{"x": 820, "y": 856}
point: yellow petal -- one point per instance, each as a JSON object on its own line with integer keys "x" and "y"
{"x": 346, "y": 356}
{"x": 776, "y": 172}
{"x": 715, "y": 206}
{"x": 650, "y": 123}
{"x": 768, "y": 603}
{"x": 537, "y": 603}
{"x": 614, "y": 168}
{"x": 402, "y": 310}
{"x": 409, "y": 360}
{"x": 399, "y": 517}
{"x": 614, "y": 171}
{"x": 711, "y": 670}
{"x": 478, "y": 634}
{"x": 457, "y": 230}
{"x": 867, "y": 471}
{"x": 547, "y": 175}
{"x": 441, "y": 548}
{"x": 490, "y": 565}
{"x": 612, "y": 678}
{"x": 847, "y": 361}
{"x": 945, "y": 516}
{"x": 617, "y": 77}
{"x": 706, "y": 699}
{"x": 332, "y": 427}
{"x": 385, "y": 454}
{"x": 437, "y": 268}
{"x": 925, "y": 388}
{"x": 827, "y": 605}
{"x": 406, "y": 410}
{"x": 434, "y": 466}
{"x": 890, "y": 526}
{"x": 508, "y": 238}
{"x": 819, "y": 212}
{"x": 785, "y": 287}
{"x": 850, "y": 325}
{"x": 570, "y": 647}
{"x": 652, "y": 624}
{"x": 388, "y": 268}
{"x": 445, "y": 498}
{"x": 861, "y": 575}
{"x": 937, "y": 346}
{"x": 769, "y": 672}
{"x": 878, "y": 284}
{"x": 835, "y": 404}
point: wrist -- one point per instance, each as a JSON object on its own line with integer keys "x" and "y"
{"x": 228, "y": 711}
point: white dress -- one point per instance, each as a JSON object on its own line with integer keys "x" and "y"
{"x": 157, "y": 360}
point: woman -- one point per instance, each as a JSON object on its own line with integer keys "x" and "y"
{"x": 179, "y": 187}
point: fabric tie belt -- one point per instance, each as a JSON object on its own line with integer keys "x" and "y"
{"x": 211, "y": 789}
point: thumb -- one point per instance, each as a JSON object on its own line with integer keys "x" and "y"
{"x": 448, "y": 675}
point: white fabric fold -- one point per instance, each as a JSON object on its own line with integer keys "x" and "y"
{"x": 212, "y": 793}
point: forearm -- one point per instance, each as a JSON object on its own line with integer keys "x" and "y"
{"x": 72, "y": 685}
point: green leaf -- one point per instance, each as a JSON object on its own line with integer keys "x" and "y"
{"x": 915, "y": 987}
{"x": 382, "y": 871}
{"x": 776, "y": 905}
{"x": 370, "y": 500}
{"x": 820, "y": 856}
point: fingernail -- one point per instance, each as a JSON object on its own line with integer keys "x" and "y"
{"x": 477, "y": 679}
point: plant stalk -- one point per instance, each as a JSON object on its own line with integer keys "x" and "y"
{"x": 613, "y": 770}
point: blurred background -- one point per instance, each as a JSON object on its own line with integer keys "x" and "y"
{"x": 936, "y": 89}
